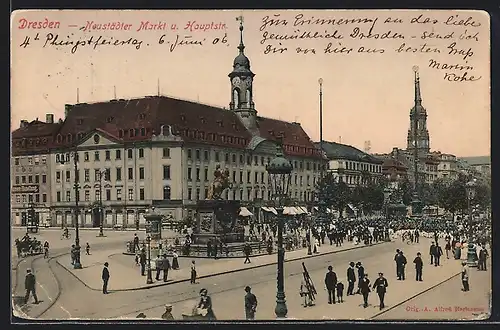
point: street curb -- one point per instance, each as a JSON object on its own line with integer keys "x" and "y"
{"x": 413, "y": 297}
{"x": 220, "y": 273}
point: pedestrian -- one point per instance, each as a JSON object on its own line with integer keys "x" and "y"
{"x": 247, "y": 249}
{"x": 175, "y": 261}
{"x": 447, "y": 248}
{"x": 165, "y": 266}
{"x": 438, "y": 252}
{"x": 432, "y": 252}
{"x": 304, "y": 292}
{"x": 465, "y": 276}
{"x": 331, "y": 284}
{"x": 419, "y": 265}
{"x": 209, "y": 248}
{"x": 136, "y": 244}
{"x": 137, "y": 259}
{"x": 205, "y": 305}
{"x": 87, "y": 249}
{"x": 400, "y": 264}
{"x": 46, "y": 250}
{"x": 351, "y": 278}
{"x": 158, "y": 266}
{"x": 365, "y": 289}
{"x": 193, "y": 272}
{"x": 142, "y": 262}
{"x": 168, "y": 313}
{"x": 214, "y": 249}
{"x": 250, "y": 304}
{"x": 381, "y": 286}
{"x": 395, "y": 260}
{"x": 483, "y": 255}
{"x": 417, "y": 236}
{"x": 30, "y": 286}
{"x": 361, "y": 275}
{"x": 340, "y": 292}
{"x": 105, "y": 278}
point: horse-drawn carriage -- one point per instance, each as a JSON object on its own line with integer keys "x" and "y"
{"x": 28, "y": 246}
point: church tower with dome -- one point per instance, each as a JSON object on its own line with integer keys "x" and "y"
{"x": 241, "y": 79}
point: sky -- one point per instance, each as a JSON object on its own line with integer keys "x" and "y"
{"x": 366, "y": 96}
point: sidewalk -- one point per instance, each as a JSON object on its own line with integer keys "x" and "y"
{"x": 228, "y": 304}
{"x": 90, "y": 275}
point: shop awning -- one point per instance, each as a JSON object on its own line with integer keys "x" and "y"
{"x": 328, "y": 210}
{"x": 269, "y": 209}
{"x": 244, "y": 212}
{"x": 290, "y": 210}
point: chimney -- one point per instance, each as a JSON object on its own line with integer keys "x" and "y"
{"x": 49, "y": 118}
{"x": 67, "y": 109}
{"x": 24, "y": 123}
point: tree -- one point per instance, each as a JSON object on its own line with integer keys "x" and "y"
{"x": 373, "y": 198}
{"x": 325, "y": 189}
{"x": 342, "y": 195}
{"x": 406, "y": 191}
{"x": 357, "y": 197}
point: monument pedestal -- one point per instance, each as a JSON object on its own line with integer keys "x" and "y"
{"x": 218, "y": 220}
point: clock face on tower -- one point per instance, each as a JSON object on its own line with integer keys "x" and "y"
{"x": 236, "y": 81}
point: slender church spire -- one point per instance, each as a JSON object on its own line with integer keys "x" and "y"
{"x": 418, "y": 97}
{"x": 241, "y": 46}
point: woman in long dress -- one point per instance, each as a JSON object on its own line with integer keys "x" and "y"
{"x": 175, "y": 261}
{"x": 205, "y": 305}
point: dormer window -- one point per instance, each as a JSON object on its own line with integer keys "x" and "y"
{"x": 142, "y": 116}
{"x": 69, "y": 137}
{"x": 136, "y": 132}
{"x": 203, "y": 120}
{"x": 109, "y": 119}
{"x": 214, "y": 137}
{"x": 143, "y": 131}
{"x": 131, "y": 132}
{"x": 219, "y": 122}
{"x": 223, "y": 138}
{"x": 79, "y": 121}
{"x": 80, "y": 136}
{"x": 120, "y": 133}
{"x": 59, "y": 138}
{"x": 183, "y": 118}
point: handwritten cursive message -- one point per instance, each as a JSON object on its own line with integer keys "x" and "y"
{"x": 447, "y": 42}
{"x": 136, "y": 35}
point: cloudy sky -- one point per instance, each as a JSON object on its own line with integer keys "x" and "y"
{"x": 366, "y": 96}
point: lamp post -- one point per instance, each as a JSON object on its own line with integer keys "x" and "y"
{"x": 320, "y": 82}
{"x": 470, "y": 188}
{"x": 280, "y": 175}
{"x": 387, "y": 194}
{"x": 149, "y": 279}
{"x": 76, "y": 186}
{"x": 101, "y": 211}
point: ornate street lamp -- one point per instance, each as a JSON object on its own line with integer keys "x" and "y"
{"x": 470, "y": 188}
{"x": 76, "y": 186}
{"x": 149, "y": 279}
{"x": 280, "y": 176}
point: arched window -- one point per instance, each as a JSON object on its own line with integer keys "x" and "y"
{"x": 166, "y": 193}
{"x": 236, "y": 97}
{"x": 69, "y": 137}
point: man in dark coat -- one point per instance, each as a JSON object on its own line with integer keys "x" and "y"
{"x": 136, "y": 243}
{"x": 361, "y": 275}
{"x": 438, "y": 252}
{"x": 29, "y": 285}
{"x": 381, "y": 286}
{"x": 209, "y": 248}
{"x": 432, "y": 252}
{"x": 395, "y": 260}
{"x": 417, "y": 236}
{"x": 142, "y": 261}
{"x": 400, "y": 264}
{"x": 483, "y": 255}
{"x": 331, "y": 284}
{"x": 247, "y": 249}
{"x": 351, "y": 278}
{"x": 250, "y": 304}
{"x": 364, "y": 285}
{"x": 165, "y": 266}
{"x": 419, "y": 265}
{"x": 105, "y": 278}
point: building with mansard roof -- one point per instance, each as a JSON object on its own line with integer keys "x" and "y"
{"x": 161, "y": 151}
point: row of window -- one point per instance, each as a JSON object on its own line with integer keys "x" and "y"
{"x": 25, "y": 198}
{"x": 36, "y": 160}
{"x": 241, "y": 194}
{"x": 30, "y": 179}
{"x": 355, "y": 179}
{"x": 256, "y": 160}
{"x": 106, "y": 174}
{"x": 355, "y": 166}
{"x": 107, "y": 155}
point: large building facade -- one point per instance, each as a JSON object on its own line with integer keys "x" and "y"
{"x": 162, "y": 152}
{"x": 351, "y": 165}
